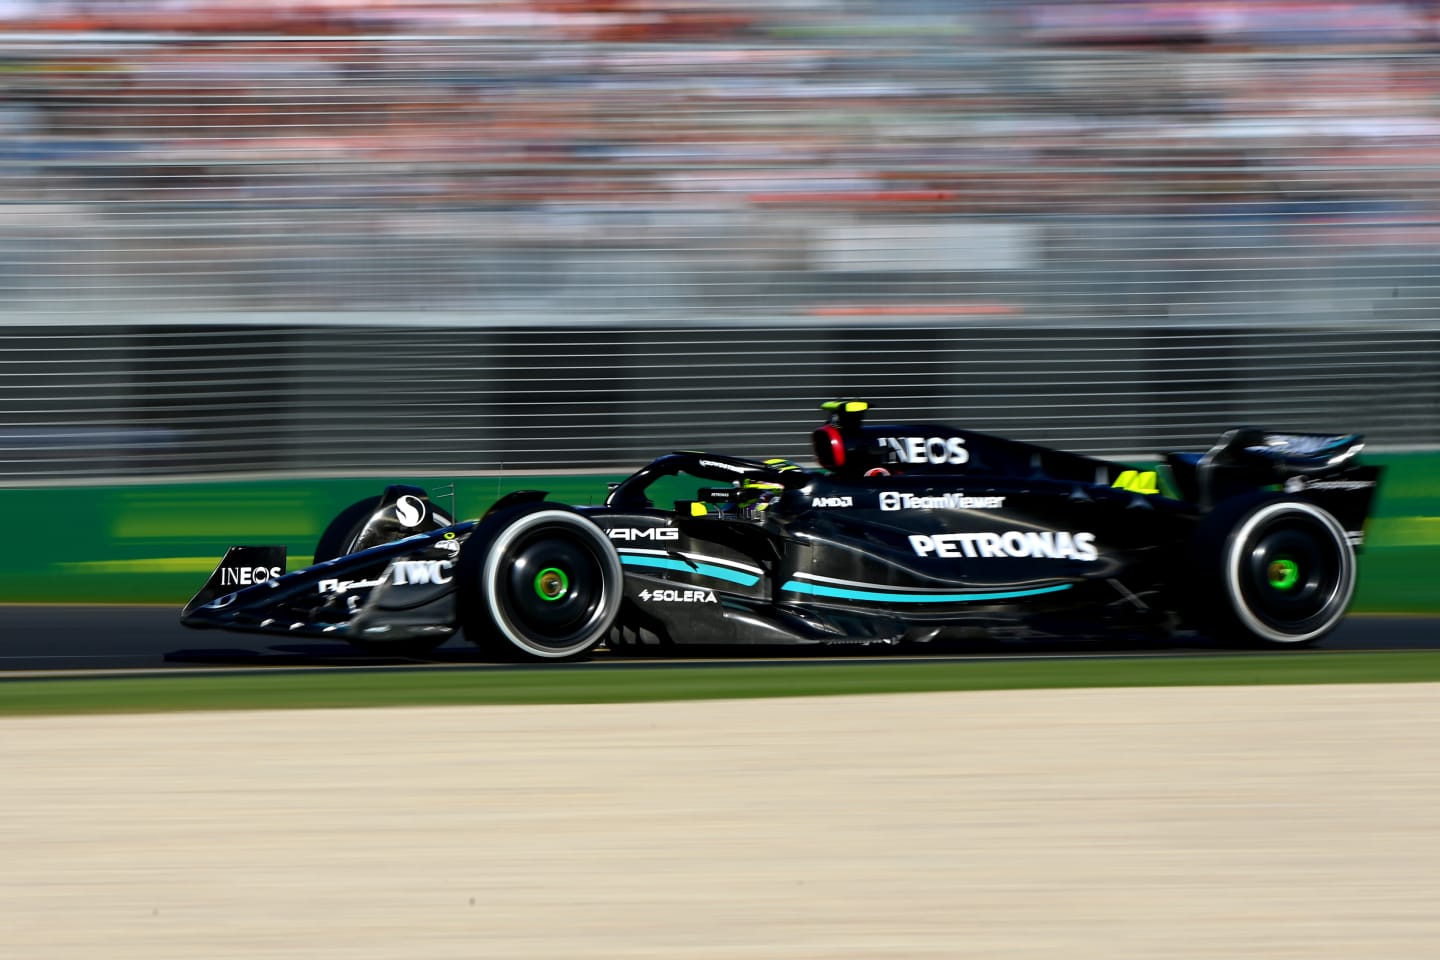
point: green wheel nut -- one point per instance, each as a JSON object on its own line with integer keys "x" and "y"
{"x": 551, "y": 584}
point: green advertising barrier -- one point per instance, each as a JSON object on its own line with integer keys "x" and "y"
{"x": 157, "y": 543}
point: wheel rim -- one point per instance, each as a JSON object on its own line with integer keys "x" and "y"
{"x": 1292, "y": 571}
{"x": 551, "y": 589}
{"x": 553, "y": 584}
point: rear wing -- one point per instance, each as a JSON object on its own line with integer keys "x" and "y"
{"x": 1321, "y": 467}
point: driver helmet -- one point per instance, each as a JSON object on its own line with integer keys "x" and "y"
{"x": 755, "y": 497}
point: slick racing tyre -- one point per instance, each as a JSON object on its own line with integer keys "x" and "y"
{"x": 1272, "y": 572}
{"x": 340, "y": 536}
{"x": 366, "y": 524}
{"x": 538, "y": 582}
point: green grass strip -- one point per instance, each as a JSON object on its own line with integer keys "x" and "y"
{"x": 632, "y": 683}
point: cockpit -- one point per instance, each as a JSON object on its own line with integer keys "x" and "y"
{"x": 708, "y": 485}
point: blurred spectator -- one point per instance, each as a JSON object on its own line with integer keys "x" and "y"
{"x": 712, "y": 155}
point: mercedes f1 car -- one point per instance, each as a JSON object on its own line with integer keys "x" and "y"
{"x": 899, "y": 535}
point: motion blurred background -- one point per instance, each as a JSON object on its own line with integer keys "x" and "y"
{"x": 344, "y": 238}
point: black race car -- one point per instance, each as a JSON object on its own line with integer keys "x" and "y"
{"x": 903, "y": 534}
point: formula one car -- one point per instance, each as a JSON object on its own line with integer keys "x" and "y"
{"x": 902, "y": 534}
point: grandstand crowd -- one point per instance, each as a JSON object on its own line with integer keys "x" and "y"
{"x": 721, "y": 154}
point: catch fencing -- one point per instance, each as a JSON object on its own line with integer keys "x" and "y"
{"x": 430, "y": 255}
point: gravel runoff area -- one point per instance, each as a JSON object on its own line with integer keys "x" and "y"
{"x": 1256, "y": 822}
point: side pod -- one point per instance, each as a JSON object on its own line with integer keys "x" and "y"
{"x": 241, "y": 567}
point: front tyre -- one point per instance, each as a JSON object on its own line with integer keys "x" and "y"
{"x": 1278, "y": 572}
{"x": 340, "y": 535}
{"x": 401, "y": 512}
{"x": 538, "y": 582}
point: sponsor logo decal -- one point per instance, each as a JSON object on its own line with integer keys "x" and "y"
{"x": 420, "y": 572}
{"x": 733, "y": 468}
{"x": 343, "y": 586}
{"x": 1297, "y": 484}
{"x": 247, "y": 576}
{"x": 832, "y": 501}
{"x": 892, "y": 500}
{"x": 1017, "y": 544}
{"x": 644, "y": 533}
{"x": 927, "y": 449}
{"x": 409, "y": 511}
{"x": 679, "y": 596}
{"x": 449, "y": 544}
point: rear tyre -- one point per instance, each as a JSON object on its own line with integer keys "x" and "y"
{"x": 538, "y": 582}
{"x": 1272, "y": 572}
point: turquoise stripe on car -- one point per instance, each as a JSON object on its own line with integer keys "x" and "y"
{"x": 845, "y": 593}
{"x": 703, "y": 569}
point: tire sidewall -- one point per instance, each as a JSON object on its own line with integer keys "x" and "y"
{"x": 486, "y": 581}
{"x": 1241, "y": 540}
{"x": 338, "y": 538}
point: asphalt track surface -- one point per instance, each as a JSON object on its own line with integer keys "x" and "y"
{"x": 89, "y": 639}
